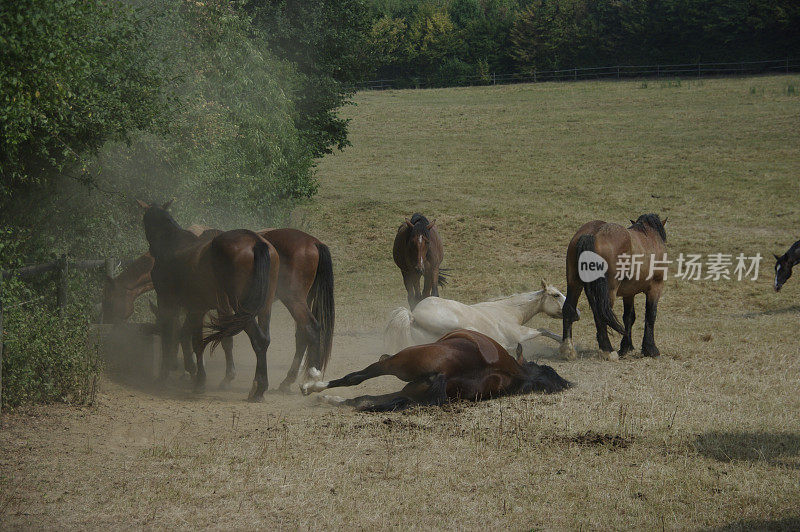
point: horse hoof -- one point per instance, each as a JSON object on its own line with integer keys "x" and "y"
{"x": 225, "y": 384}
{"x": 199, "y": 389}
{"x": 255, "y": 398}
{"x": 567, "y": 351}
{"x": 652, "y": 353}
{"x": 285, "y": 387}
{"x": 609, "y": 355}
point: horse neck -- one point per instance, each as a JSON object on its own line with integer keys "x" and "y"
{"x": 524, "y": 306}
{"x": 170, "y": 241}
{"x": 137, "y": 273}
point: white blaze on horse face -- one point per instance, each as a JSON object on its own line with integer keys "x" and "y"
{"x": 775, "y": 283}
{"x": 421, "y": 251}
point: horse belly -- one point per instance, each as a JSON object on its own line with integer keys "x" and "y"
{"x": 434, "y": 316}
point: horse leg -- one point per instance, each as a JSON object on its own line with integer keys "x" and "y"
{"x": 306, "y": 336}
{"x": 375, "y": 369}
{"x": 167, "y": 325}
{"x": 628, "y": 317}
{"x": 569, "y": 314}
{"x": 435, "y": 281}
{"x": 527, "y": 333}
{"x": 411, "y": 281}
{"x": 194, "y": 324}
{"x": 429, "y": 391}
{"x": 189, "y": 365}
{"x": 259, "y": 339}
{"x": 651, "y": 306}
{"x": 428, "y": 286}
{"x": 230, "y": 368}
{"x": 602, "y": 329}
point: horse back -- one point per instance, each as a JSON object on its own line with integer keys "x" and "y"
{"x": 299, "y": 259}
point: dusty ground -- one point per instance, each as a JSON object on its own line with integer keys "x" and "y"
{"x": 707, "y": 437}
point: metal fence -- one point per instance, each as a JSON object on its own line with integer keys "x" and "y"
{"x": 685, "y": 70}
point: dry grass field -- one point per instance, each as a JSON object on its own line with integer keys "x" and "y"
{"x": 706, "y": 437}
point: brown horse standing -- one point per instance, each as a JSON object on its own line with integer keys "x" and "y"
{"x": 418, "y": 252}
{"x": 235, "y": 273}
{"x": 462, "y": 364}
{"x": 645, "y": 239}
{"x": 305, "y": 287}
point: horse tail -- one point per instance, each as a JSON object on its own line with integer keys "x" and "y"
{"x": 323, "y": 309}
{"x": 397, "y": 334}
{"x": 544, "y": 379}
{"x": 597, "y": 290}
{"x": 444, "y": 276}
{"x": 254, "y": 298}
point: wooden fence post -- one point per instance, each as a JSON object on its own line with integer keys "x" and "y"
{"x": 61, "y": 297}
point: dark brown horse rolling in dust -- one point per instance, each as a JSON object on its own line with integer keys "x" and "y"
{"x": 645, "y": 240}
{"x": 460, "y": 365}
{"x": 305, "y": 287}
{"x": 234, "y": 273}
{"x": 418, "y": 252}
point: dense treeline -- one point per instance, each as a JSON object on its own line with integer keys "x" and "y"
{"x": 221, "y": 104}
{"x": 445, "y": 42}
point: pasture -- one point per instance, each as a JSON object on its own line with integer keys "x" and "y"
{"x": 706, "y": 437}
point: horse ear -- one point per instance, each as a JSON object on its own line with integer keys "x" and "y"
{"x": 632, "y": 222}
{"x": 544, "y": 285}
{"x": 430, "y": 225}
{"x": 520, "y": 358}
{"x": 776, "y": 256}
{"x": 167, "y": 205}
{"x": 408, "y": 223}
{"x": 143, "y": 204}
{"x": 665, "y": 221}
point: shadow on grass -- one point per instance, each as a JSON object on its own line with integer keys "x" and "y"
{"x": 794, "y": 309}
{"x": 779, "y": 449}
{"x": 787, "y": 523}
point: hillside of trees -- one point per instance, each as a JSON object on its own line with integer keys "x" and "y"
{"x": 444, "y": 42}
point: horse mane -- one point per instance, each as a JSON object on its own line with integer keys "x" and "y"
{"x": 420, "y": 224}
{"x": 793, "y": 252}
{"x": 653, "y": 221}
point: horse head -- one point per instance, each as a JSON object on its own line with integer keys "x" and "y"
{"x": 419, "y": 238}
{"x": 783, "y": 270}
{"x": 553, "y": 301}
{"x": 159, "y": 226}
{"x": 117, "y": 303}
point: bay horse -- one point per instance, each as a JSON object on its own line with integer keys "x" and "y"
{"x": 418, "y": 252}
{"x": 501, "y": 319}
{"x": 645, "y": 238}
{"x": 460, "y": 365}
{"x": 305, "y": 287}
{"x": 784, "y": 264}
{"x": 234, "y": 273}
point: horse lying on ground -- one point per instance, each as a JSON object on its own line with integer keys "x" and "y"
{"x": 461, "y": 365}
{"x": 500, "y": 319}
{"x": 305, "y": 287}
{"x": 644, "y": 239}
{"x": 418, "y": 252}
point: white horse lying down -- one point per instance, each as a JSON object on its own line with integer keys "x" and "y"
{"x": 501, "y": 319}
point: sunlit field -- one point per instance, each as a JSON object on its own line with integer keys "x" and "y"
{"x": 706, "y": 436}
